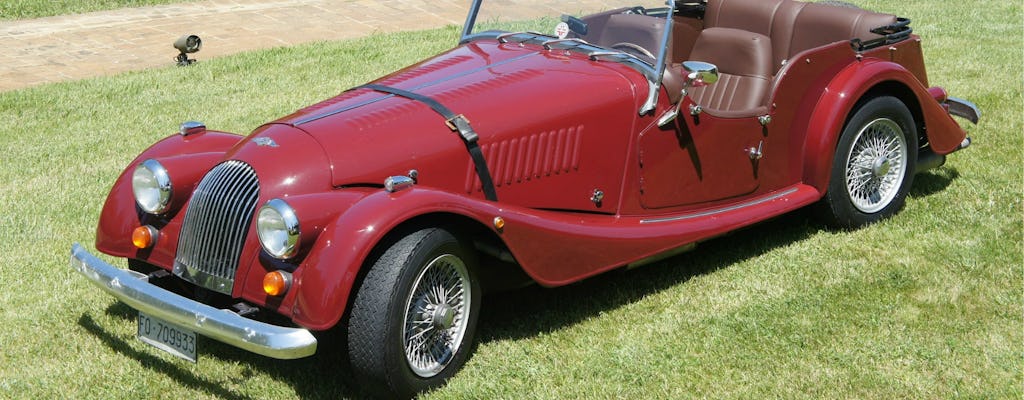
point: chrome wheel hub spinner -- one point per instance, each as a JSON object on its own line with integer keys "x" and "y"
{"x": 880, "y": 167}
{"x": 442, "y": 317}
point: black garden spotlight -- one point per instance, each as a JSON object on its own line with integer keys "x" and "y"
{"x": 187, "y": 44}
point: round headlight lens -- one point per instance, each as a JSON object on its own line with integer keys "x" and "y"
{"x": 278, "y": 229}
{"x": 152, "y": 187}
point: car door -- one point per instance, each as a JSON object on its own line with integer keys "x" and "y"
{"x": 699, "y": 159}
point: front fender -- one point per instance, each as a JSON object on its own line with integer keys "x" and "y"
{"x": 840, "y": 97}
{"x": 324, "y": 285}
{"x": 187, "y": 157}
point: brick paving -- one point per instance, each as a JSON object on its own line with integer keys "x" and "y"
{"x": 71, "y": 47}
{"x": 79, "y": 46}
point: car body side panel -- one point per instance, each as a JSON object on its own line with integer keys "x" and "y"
{"x": 698, "y": 161}
{"x": 554, "y": 248}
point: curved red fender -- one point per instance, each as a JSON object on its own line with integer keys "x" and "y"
{"x": 838, "y": 100}
{"x": 323, "y": 282}
{"x": 119, "y": 216}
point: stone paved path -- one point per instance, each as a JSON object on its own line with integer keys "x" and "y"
{"x": 79, "y": 46}
{"x": 101, "y": 43}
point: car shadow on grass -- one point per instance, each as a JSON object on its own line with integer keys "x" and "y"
{"x": 157, "y": 364}
{"x": 526, "y": 312}
{"x": 324, "y": 375}
{"x": 933, "y": 181}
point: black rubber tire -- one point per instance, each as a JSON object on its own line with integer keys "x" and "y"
{"x": 375, "y": 331}
{"x": 837, "y": 208}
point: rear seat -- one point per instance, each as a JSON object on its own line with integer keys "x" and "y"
{"x": 794, "y": 26}
{"x": 789, "y": 27}
{"x": 820, "y": 24}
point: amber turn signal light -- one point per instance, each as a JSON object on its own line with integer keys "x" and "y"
{"x": 145, "y": 236}
{"x": 277, "y": 283}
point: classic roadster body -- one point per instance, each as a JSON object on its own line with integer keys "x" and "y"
{"x": 628, "y": 135}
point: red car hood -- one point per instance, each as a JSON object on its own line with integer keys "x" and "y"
{"x": 506, "y": 91}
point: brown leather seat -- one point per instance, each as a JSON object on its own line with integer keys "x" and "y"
{"x": 744, "y": 61}
{"x": 794, "y": 26}
{"x": 821, "y": 24}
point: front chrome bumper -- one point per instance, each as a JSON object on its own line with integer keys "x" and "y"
{"x": 222, "y": 325}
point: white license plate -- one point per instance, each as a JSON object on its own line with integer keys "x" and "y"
{"x": 167, "y": 337}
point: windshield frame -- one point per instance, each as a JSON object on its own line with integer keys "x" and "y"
{"x": 654, "y": 74}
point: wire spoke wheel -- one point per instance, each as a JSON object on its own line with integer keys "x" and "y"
{"x": 435, "y": 319}
{"x": 414, "y": 317}
{"x": 876, "y": 165}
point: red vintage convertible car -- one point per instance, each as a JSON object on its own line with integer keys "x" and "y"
{"x": 543, "y": 148}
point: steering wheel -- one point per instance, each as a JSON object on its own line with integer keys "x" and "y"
{"x": 635, "y": 49}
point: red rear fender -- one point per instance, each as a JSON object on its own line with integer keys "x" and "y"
{"x": 869, "y": 78}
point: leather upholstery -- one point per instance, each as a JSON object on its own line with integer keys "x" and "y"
{"x": 820, "y": 24}
{"x": 794, "y": 26}
{"x": 684, "y": 35}
{"x": 744, "y": 70}
{"x": 749, "y": 15}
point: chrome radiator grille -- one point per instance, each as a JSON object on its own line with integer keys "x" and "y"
{"x": 215, "y": 226}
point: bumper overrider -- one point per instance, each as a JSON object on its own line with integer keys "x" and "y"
{"x": 222, "y": 325}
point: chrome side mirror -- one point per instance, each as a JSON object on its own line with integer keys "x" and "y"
{"x": 696, "y": 74}
{"x": 699, "y": 73}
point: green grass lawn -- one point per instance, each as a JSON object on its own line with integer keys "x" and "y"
{"x": 24, "y": 9}
{"x": 929, "y": 304}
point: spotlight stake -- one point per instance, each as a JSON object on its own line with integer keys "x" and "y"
{"x": 187, "y": 44}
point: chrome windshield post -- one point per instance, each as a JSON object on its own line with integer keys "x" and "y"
{"x": 654, "y": 83}
{"x": 467, "y": 28}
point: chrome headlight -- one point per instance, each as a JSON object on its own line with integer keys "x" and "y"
{"x": 152, "y": 187}
{"x": 278, "y": 228}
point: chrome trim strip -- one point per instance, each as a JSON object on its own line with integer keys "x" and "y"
{"x": 735, "y": 207}
{"x": 425, "y": 85}
{"x": 547, "y": 45}
{"x": 963, "y": 108}
{"x": 222, "y": 325}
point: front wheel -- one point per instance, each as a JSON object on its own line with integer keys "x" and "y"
{"x": 414, "y": 316}
{"x": 873, "y": 166}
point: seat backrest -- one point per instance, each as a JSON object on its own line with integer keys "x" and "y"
{"x": 821, "y": 24}
{"x": 795, "y": 26}
{"x": 749, "y": 15}
{"x": 744, "y": 71}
